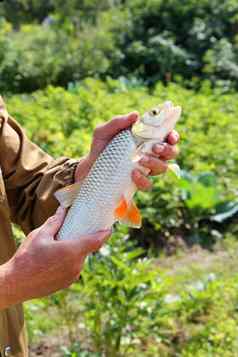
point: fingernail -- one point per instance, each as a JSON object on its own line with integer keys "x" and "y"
{"x": 134, "y": 115}
{"x": 137, "y": 173}
{"x": 158, "y": 148}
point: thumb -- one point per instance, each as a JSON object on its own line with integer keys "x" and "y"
{"x": 88, "y": 244}
{"x": 53, "y": 224}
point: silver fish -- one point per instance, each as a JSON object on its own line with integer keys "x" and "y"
{"x": 106, "y": 194}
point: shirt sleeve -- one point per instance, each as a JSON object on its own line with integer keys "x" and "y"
{"x": 31, "y": 176}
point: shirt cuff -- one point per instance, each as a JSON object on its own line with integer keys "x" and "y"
{"x": 66, "y": 175}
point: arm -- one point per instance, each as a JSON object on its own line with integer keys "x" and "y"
{"x": 31, "y": 176}
{"x": 5, "y": 272}
{"x": 43, "y": 265}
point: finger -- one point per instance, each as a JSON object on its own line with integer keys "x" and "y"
{"x": 114, "y": 126}
{"x": 141, "y": 181}
{"x": 53, "y": 224}
{"x": 165, "y": 151}
{"x": 85, "y": 245}
{"x": 155, "y": 165}
{"x": 173, "y": 137}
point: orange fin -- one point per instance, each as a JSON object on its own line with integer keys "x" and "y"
{"x": 121, "y": 209}
{"x": 67, "y": 195}
{"x": 132, "y": 217}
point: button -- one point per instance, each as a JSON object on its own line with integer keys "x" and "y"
{"x": 7, "y": 351}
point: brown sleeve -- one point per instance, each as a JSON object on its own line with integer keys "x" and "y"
{"x": 31, "y": 176}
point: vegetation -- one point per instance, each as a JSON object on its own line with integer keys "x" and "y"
{"x": 164, "y": 40}
{"x": 129, "y": 307}
{"x": 169, "y": 289}
{"x": 187, "y": 208}
{"x": 124, "y": 307}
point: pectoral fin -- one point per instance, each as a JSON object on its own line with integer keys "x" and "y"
{"x": 133, "y": 216}
{"x": 121, "y": 209}
{"x": 128, "y": 214}
{"x": 67, "y": 195}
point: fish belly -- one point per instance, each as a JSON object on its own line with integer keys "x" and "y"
{"x": 110, "y": 176}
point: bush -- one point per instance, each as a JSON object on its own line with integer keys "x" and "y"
{"x": 125, "y": 306}
{"x": 61, "y": 122}
{"x": 168, "y": 38}
{"x": 163, "y": 40}
{"x": 40, "y": 55}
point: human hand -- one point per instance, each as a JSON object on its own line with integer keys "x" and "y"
{"x": 43, "y": 265}
{"x": 155, "y": 162}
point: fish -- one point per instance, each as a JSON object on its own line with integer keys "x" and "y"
{"x": 106, "y": 194}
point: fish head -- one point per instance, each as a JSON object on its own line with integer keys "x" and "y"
{"x": 157, "y": 123}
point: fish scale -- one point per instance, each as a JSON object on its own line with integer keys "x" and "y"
{"x": 93, "y": 207}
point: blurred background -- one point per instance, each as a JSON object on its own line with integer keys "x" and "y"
{"x": 171, "y": 288}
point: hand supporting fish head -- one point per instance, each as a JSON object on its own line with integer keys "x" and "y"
{"x": 154, "y": 126}
{"x": 157, "y": 123}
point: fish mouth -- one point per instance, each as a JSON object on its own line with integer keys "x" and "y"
{"x": 156, "y": 123}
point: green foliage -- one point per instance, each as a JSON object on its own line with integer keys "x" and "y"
{"x": 114, "y": 300}
{"x": 209, "y": 152}
{"x": 39, "y": 55}
{"x": 125, "y": 306}
{"x": 171, "y": 37}
{"x": 21, "y": 11}
{"x": 64, "y": 41}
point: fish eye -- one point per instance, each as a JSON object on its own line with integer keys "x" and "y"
{"x": 154, "y": 111}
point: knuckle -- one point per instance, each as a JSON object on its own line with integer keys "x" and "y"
{"x": 172, "y": 152}
{"x": 94, "y": 245}
{"x": 36, "y": 234}
{"x": 120, "y": 121}
{"x": 161, "y": 168}
{"x": 52, "y": 220}
{"x": 117, "y": 120}
{"x": 98, "y": 129}
{"x": 167, "y": 149}
{"x": 145, "y": 184}
{"x": 97, "y": 244}
{"x": 153, "y": 163}
{"x": 147, "y": 161}
{"x": 32, "y": 235}
{"x": 138, "y": 180}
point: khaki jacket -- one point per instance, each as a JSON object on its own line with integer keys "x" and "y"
{"x": 28, "y": 179}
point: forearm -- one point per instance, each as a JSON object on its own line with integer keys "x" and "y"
{"x": 8, "y": 294}
{"x": 31, "y": 176}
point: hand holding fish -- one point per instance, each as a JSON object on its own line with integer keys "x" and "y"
{"x": 43, "y": 265}
{"x": 124, "y": 152}
{"x": 155, "y": 162}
